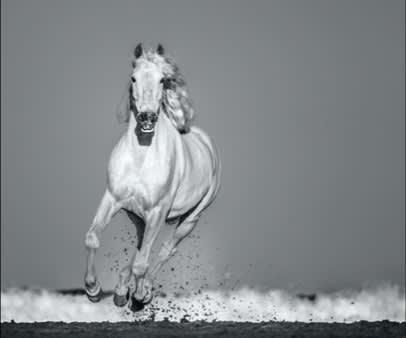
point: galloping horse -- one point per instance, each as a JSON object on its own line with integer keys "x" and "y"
{"x": 162, "y": 170}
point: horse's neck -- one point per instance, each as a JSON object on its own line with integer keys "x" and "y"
{"x": 161, "y": 141}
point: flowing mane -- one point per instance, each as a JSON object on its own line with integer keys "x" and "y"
{"x": 176, "y": 102}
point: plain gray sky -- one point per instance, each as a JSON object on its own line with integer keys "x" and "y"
{"x": 304, "y": 99}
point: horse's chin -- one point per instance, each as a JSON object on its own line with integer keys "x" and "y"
{"x": 144, "y": 136}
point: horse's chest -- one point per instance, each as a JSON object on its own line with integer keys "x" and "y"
{"x": 139, "y": 188}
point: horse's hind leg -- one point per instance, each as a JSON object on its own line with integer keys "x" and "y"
{"x": 184, "y": 228}
{"x": 122, "y": 290}
{"x": 107, "y": 208}
{"x": 168, "y": 248}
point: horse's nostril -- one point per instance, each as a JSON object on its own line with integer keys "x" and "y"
{"x": 143, "y": 117}
{"x": 150, "y": 117}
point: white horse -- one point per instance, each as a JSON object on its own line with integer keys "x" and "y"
{"x": 162, "y": 170}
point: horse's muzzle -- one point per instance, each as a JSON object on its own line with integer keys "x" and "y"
{"x": 147, "y": 121}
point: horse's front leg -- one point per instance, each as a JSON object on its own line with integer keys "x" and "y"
{"x": 106, "y": 210}
{"x": 153, "y": 224}
{"x": 122, "y": 289}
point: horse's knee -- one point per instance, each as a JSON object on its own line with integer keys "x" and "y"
{"x": 91, "y": 240}
{"x": 140, "y": 269}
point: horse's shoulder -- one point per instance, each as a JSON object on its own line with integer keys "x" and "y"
{"x": 119, "y": 146}
{"x": 121, "y": 161}
{"x": 118, "y": 151}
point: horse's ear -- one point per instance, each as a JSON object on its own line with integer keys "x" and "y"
{"x": 138, "y": 51}
{"x": 160, "y": 50}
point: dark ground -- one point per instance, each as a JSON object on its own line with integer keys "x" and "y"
{"x": 203, "y": 329}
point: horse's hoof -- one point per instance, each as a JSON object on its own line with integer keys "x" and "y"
{"x": 95, "y": 298}
{"x": 119, "y": 300}
{"x": 96, "y": 294}
{"x": 148, "y": 298}
{"x": 136, "y": 305}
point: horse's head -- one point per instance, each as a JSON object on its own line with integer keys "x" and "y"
{"x": 157, "y": 85}
{"x": 147, "y": 81}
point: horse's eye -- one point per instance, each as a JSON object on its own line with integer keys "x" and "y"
{"x": 167, "y": 83}
{"x": 132, "y": 79}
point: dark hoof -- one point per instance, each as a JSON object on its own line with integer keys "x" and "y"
{"x": 95, "y": 295}
{"x": 136, "y": 305}
{"x": 119, "y": 300}
{"x": 96, "y": 298}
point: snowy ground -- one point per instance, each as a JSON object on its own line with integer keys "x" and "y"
{"x": 244, "y": 305}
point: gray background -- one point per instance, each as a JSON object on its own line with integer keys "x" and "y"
{"x": 304, "y": 99}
